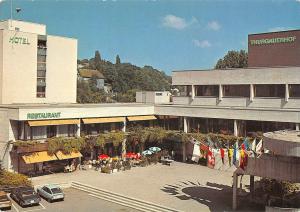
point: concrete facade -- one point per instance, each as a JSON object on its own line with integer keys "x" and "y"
{"x": 154, "y": 97}
{"x": 19, "y": 64}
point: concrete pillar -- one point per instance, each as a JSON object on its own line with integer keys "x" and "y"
{"x": 234, "y": 191}
{"x": 78, "y": 130}
{"x": 185, "y": 125}
{"x": 235, "y": 128}
{"x": 124, "y": 126}
{"x": 183, "y": 152}
{"x": 297, "y": 126}
{"x": 251, "y": 92}
{"x": 220, "y": 92}
{"x": 252, "y": 186}
{"x": 287, "y": 93}
{"x": 193, "y": 92}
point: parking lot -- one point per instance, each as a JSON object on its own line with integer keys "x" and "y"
{"x": 74, "y": 201}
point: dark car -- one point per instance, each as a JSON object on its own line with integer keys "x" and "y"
{"x": 25, "y": 196}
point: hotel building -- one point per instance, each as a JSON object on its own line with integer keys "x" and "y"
{"x": 38, "y": 74}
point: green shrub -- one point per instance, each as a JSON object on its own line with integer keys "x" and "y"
{"x": 13, "y": 179}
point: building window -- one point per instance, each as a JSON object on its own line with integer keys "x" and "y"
{"x": 41, "y": 66}
{"x": 294, "y": 91}
{"x": 41, "y": 92}
{"x": 207, "y": 90}
{"x": 274, "y": 91}
{"x": 158, "y": 94}
{"x": 184, "y": 90}
{"x": 236, "y": 90}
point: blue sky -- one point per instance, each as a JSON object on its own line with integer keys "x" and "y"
{"x": 168, "y": 35}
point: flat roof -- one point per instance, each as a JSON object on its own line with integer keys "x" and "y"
{"x": 284, "y": 135}
{"x": 291, "y": 30}
{"x": 71, "y": 105}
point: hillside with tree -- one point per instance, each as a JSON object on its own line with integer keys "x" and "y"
{"x": 125, "y": 79}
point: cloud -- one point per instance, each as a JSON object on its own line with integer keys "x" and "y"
{"x": 175, "y": 22}
{"x": 275, "y": 29}
{"x": 214, "y": 25}
{"x": 202, "y": 43}
{"x": 298, "y": 1}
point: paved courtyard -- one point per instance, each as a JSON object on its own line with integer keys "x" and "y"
{"x": 186, "y": 187}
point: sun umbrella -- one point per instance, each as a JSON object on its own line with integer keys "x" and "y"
{"x": 103, "y": 157}
{"x": 131, "y": 155}
{"x": 147, "y": 152}
{"x": 155, "y": 149}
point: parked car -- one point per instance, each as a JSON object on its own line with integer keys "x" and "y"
{"x": 51, "y": 192}
{"x": 25, "y": 196}
{"x": 5, "y": 202}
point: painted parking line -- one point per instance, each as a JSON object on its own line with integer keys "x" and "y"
{"x": 15, "y": 207}
{"x": 36, "y": 209}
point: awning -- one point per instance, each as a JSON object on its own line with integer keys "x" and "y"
{"x": 62, "y": 156}
{"x": 141, "y": 118}
{"x": 53, "y": 122}
{"x": 103, "y": 120}
{"x": 38, "y": 157}
{"x": 168, "y": 117}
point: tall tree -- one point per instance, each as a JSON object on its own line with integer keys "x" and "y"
{"x": 233, "y": 59}
{"x": 97, "y": 59}
{"x": 118, "y": 60}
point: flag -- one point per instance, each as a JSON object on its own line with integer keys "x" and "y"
{"x": 235, "y": 149}
{"x": 210, "y": 143}
{"x": 258, "y": 148}
{"x": 222, "y": 154}
{"x": 230, "y": 154}
{"x": 246, "y": 144}
{"x": 253, "y": 146}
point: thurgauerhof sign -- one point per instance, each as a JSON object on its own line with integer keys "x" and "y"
{"x": 266, "y": 41}
{"x": 43, "y": 115}
{"x": 19, "y": 40}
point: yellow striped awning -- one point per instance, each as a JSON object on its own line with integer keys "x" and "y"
{"x": 140, "y": 118}
{"x": 38, "y": 157}
{"x": 168, "y": 117}
{"x": 62, "y": 156}
{"x": 53, "y": 122}
{"x": 103, "y": 120}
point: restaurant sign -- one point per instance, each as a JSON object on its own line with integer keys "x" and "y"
{"x": 43, "y": 115}
{"x": 273, "y": 40}
{"x": 19, "y": 40}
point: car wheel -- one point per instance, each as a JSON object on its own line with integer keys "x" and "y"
{"x": 21, "y": 204}
{"x": 49, "y": 200}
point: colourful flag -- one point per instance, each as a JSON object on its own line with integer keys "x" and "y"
{"x": 253, "y": 146}
{"x": 246, "y": 144}
{"x": 258, "y": 148}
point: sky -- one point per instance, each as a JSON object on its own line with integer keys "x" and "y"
{"x": 166, "y": 34}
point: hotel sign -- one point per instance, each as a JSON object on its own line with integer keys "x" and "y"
{"x": 19, "y": 40}
{"x": 43, "y": 115}
{"x": 273, "y": 41}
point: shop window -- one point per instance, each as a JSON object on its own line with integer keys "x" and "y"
{"x": 207, "y": 90}
{"x": 38, "y": 132}
{"x": 294, "y": 91}
{"x": 236, "y": 90}
{"x": 275, "y": 91}
{"x": 51, "y": 131}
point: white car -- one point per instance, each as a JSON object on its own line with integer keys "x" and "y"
{"x": 51, "y": 192}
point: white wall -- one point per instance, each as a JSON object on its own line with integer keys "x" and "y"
{"x": 61, "y": 74}
{"x": 23, "y": 26}
{"x": 287, "y": 75}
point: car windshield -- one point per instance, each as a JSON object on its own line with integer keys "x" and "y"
{"x": 56, "y": 190}
{"x": 28, "y": 193}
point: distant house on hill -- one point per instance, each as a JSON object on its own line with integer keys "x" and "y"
{"x": 87, "y": 74}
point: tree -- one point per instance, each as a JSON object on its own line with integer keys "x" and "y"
{"x": 118, "y": 60}
{"x": 97, "y": 59}
{"x": 233, "y": 59}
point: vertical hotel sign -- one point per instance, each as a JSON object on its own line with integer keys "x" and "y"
{"x": 268, "y": 41}
{"x": 19, "y": 40}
